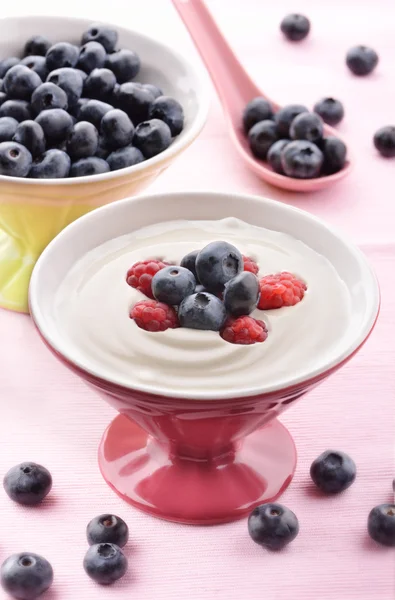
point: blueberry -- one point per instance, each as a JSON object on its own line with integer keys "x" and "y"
{"x": 241, "y": 294}
{"x": 202, "y": 311}
{"x": 8, "y": 127}
{"x": 47, "y": 96}
{"x": 56, "y": 124}
{"x": 152, "y": 137}
{"x": 15, "y": 159}
{"x": 26, "y": 576}
{"x": 125, "y": 64}
{"x": 217, "y": 263}
{"x": 261, "y": 136}
{"x": 53, "y": 164}
{"x": 107, "y": 529}
{"x": 30, "y": 135}
{"x": 71, "y": 82}
{"x": 99, "y": 84}
{"x": 172, "y": 284}
{"x": 307, "y": 126}
{"x": 302, "y": 159}
{"x": 106, "y": 36}
{"x": 381, "y": 524}
{"x": 284, "y": 117}
{"x": 361, "y": 60}
{"x": 170, "y": 111}
{"x": 330, "y": 110}
{"x": 7, "y": 63}
{"x": 105, "y": 563}
{"x": 92, "y": 56}
{"x": 89, "y": 166}
{"x": 384, "y": 140}
{"x": 335, "y": 152}
{"x": 37, "y": 64}
{"x": 153, "y": 89}
{"x": 37, "y": 45}
{"x": 124, "y": 157}
{"x": 17, "y": 109}
{"x": 273, "y": 526}
{"x": 61, "y": 55}
{"x": 333, "y": 471}
{"x": 135, "y": 100}
{"x": 83, "y": 140}
{"x": 295, "y": 27}
{"x": 116, "y": 129}
{"x": 20, "y": 82}
{"x": 189, "y": 262}
{"x": 93, "y": 111}
{"x": 28, "y": 483}
{"x": 274, "y": 155}
{"x": 258, "y": 109}
{"x": 3, "y": 98}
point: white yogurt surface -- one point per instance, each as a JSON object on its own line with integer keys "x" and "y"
{"x": 92, "y": 310}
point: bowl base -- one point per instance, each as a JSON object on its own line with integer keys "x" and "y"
{"x": 203, "y": 492}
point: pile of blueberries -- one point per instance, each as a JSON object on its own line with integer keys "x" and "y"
{"x": 69, "y": 111}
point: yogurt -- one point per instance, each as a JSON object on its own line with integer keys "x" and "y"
{"x": 92, "y": 311}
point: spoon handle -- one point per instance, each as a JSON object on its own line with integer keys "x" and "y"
{"x": 234, "y": 86}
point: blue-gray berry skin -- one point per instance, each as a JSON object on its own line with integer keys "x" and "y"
{"x": 362, "y": 60}
{"x": 3, "y": 98}
{"x": 381, "y": 524}
{"x": 125, "y": 64}
{"x": 30, "y": 134}
{"x": 261, "y": 137}
{"x": 37, "y": 45}
{"x": 15, "y": 159}
{"x": 274, "y": 155}
{"x": 56, "y": 123}
{"x": 47, "y": 96}
{"x": 105, "y": 563}
{"x": 71, "y": 81}
{"x": 28, "y": 483}
{"x": 53, "y": 164}
{"x": 273, "y": 526}
{"x": 384, "y": 141}
{"x": 307, "y": 126}
{"x": 330, "y": 110}
{"x": 116, "y": 129}
{"x": 302, "y": 159}
{"x": 7, "y": 63}
{"x": 38, "y": 64}
{"x": 217, "y": 263}
{"x": 335, "y": 153}
{"x": 258, "y": 109}
{"x": 333, "y": 471}
{"x": 62, "y": 54}
{"x": 20, "y": 82}
{"x": 172, "y": 284}
{"x": 83, "y": 140}
{"x": 99, "y": 84}
{"x": 124, "y": 157}
{"x": 170, "y": 112}
{"x": 241, "y": 294}
{"x": 17, "y": 109}
{"x": 92, "y": 56}
{"x": 93, "y": 111}
{"x": 152, "y": 137}
{"x": 202, "y": 311}
{"x": 106, "y": 36}
{"x": 189, "y": 262}
{"x": 295, "y": 27}
{"x": 284, "y": 117}
{"x": 26, "y": 575}
{"x": 109, "y": 529}
{"x": 89, "y": 166}
{"x": 153, "y": 89}
{"x": 8, "y": 127}
{"x": 135, "y": 99}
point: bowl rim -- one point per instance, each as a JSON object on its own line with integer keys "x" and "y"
{"x": 203, "y": 103}
{"x": 64, "y": 352}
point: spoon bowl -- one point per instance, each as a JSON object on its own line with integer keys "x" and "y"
{"x": 235, "y": 89}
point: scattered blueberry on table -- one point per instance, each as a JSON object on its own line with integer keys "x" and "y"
{"x": 333, "y": 471}
{"x": 107, "y": 528}
{"x": 273, "y": 526}
{"x": 295, "y": 27}
{"x": 381, "y": 524}
{"x": 105, "y": 563}
{"x": 362, "y": 60}
{"x": 28, "y": 483}
{"x": 83, "y": 84}
{"x": 26, "y": 575}
{"x": 384, "y": 141}
{"x": 330, "y": 110}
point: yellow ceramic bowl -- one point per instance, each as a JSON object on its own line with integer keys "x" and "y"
{"x": 32, "y": 212}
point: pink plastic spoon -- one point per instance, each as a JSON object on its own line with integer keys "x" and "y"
{"x": 235, "y": 89}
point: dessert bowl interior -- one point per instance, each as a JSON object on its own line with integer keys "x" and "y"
{"x": 32, "y": 211}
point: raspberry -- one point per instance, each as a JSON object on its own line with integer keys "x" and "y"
{"x": 244, "y": 330}
{"x": 141, "y": 273}
{"x": 154, "y": 316}
{"x": 281, "y": 289}
{"x": 250, "y": 265}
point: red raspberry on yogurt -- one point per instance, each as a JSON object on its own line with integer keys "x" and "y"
{"x": 154, "y": 316}
{"x": 141, "y": 273}
{"x": 281, "y": 289}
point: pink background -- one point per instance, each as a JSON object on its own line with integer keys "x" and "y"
{"x": 51, "y": 417}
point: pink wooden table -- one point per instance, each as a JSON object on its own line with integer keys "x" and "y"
{"x": 51, "y": 417}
